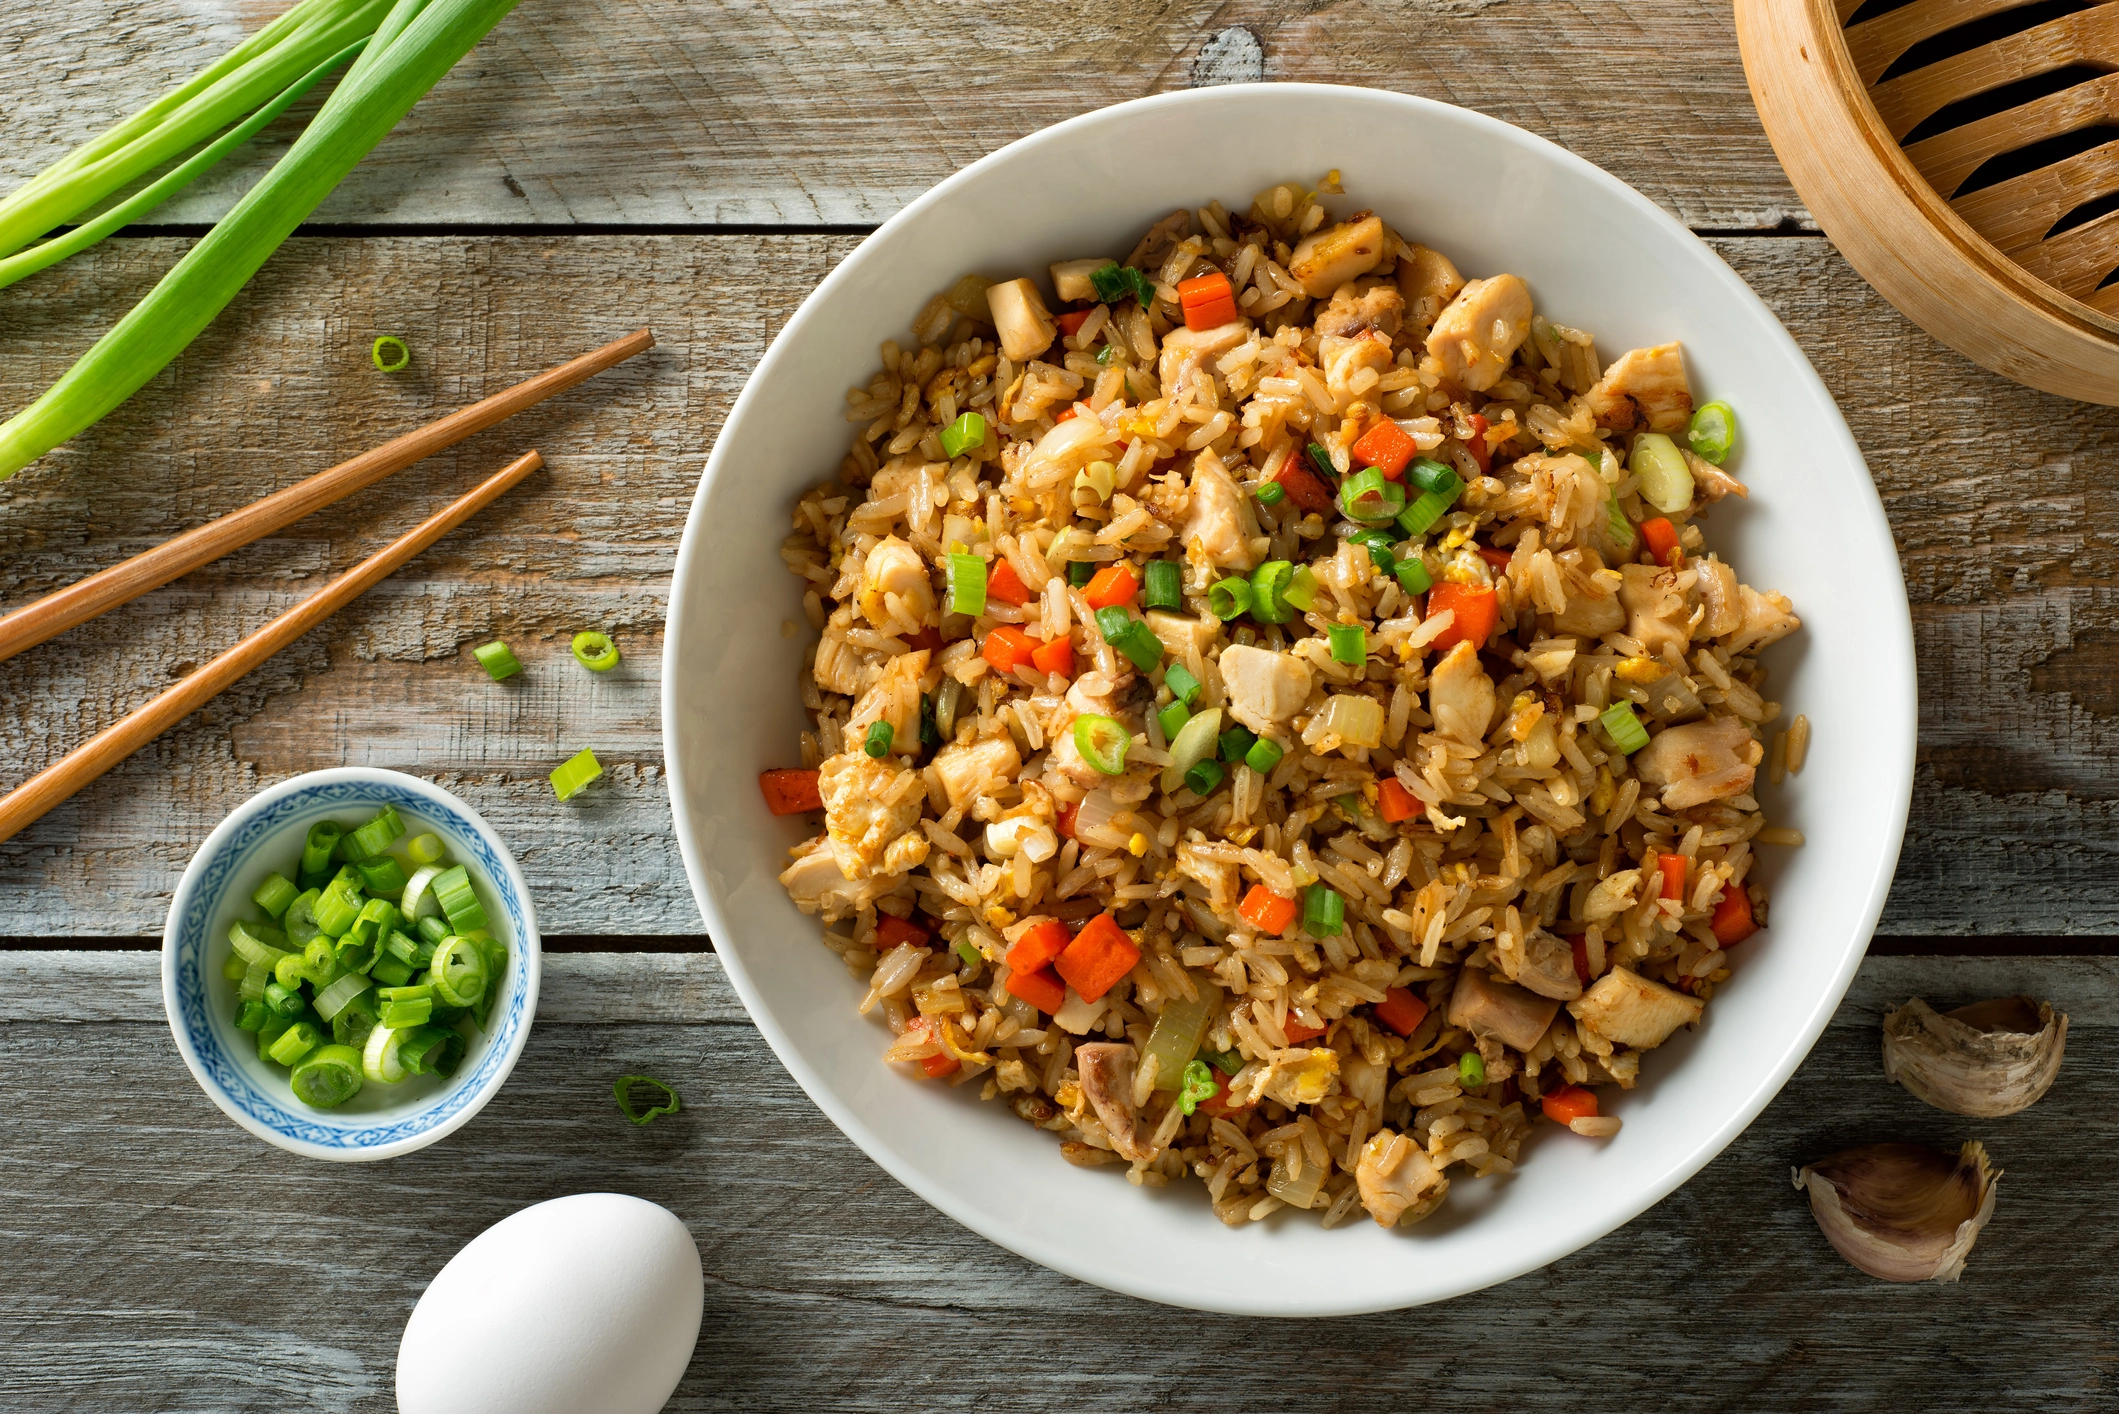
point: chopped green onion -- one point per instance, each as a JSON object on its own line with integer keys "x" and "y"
{"x": 1666, "y": 482}
{"x": 1103, "y": 742}
{"x": 1413, "y": 576}
{"x": 1712, "y": 433}
{"x": 391, "y": 971}
{"x": 1301, "y": 592}
{"x": 1618, "y": 527}
{"x": 1131, "y": 637}
{"x": 1116, "y": 282}
{"x": 967, "y": 585}
{"x": 291, "y": 970}
{"x": 1269, "y": 583}
{"x": 350, "y": 954}
{"x": 320, "y": 961}
{"x": 1227, "y": 1062}
{"x": 1204, "y": 777}
{"x": 1323, "y": 911}
{"x": 453, "y": 891}
{"x": 595, "y": 651}
{"x": 380, "y": 1060}
{"x": 333, "y": 999}
{"x": 274, "y": 894}
{"x": 351, "y": 1026}
{"x": 424, "y": 849}
{"x": 1199, "y": 1084}
{"x": 372, "y": 838}
{"x": 1271, "y": 493}
{"x": 234, "y": 969}
{"x": 1379, "y": 545}
{"x": 252, "y": 1016}
{"x": 1230, "y": 598}
{"x": 340, "y": 903}
{"x": 630, "y": 1105}
{"x": 431, "y": 1050}
{"x": 254, "y": 942}
{"x": 1322, "y": 460}
{"x": 1183, "y": 686}
{"x": 1471, "y": 1070}
{"x": 432, "y": 929}
{"x": 295, "y": 1042}
{"x": 1625, "y": 728}
{"x": 300, "y": 917}
{"x": 1163, "y": 586}
{"x": 1105, "y": 354}
{"x": 968, "y": 950}
{"x": 317, "y": 850}
{"x": 1172, "y": 719}
{"x": 1079, "y": 573}
{"x": 1427, "y": 508}
{"x": 574, "y": 773}
{"x": 1195, "y": 743}
{"x": 327, "y": 1077}
{"x": 1264, "y": 756}
{"x": 390, "y": 354}
{"x": 962, "y": 435}
{"x": 495, "y": 658}
{"x": 459, "y": 972}
{"x": 406, "y": 947}
{"x": 285, "y": 1001}
{"x": 378, "y": 916}
{"x": 1431, "y": 475}
{"x": 1349, "y": 643}
{"x": 1368, "y": 495}
{"x": 256, "y": 977}
{"x": 406, "y": 1007}
{"x": 877, "y": 742}
{"x": 1236, "y": 742}
{"x": 382, "y": 874}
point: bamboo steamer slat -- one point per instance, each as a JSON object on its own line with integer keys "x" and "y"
{"x": 1981, "y": 274}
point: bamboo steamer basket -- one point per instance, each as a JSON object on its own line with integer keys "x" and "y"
{"x": 2012, "y": 273}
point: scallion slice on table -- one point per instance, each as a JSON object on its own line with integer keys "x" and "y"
{"x": 629, "y": 1104}
{"x": 595, "y": 651}
{"x": 498, "y": 661}
{"x": 1103, "y": 742}
{"x": 575, "y": 773}
{"x": 390, "y": 355}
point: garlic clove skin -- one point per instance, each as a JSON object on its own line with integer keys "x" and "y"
{"x": 1985, "y": 1060}
{"x": 1903, "y": 1212}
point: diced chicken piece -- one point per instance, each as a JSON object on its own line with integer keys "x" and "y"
{"x": 1022, "y": 834}
{"x": 1221, "y": 523}
{"x": 1718, "y": 591}
{"x": 841, "y": 667}
{"x": 1593, "y": 607}
{"x": 1367, "y": 1082}
{"x": 1303, "y": 1078}
{"x": 1428, "y": 281}
{"x": 1021, "y": 319}
{"x": 1700, "y": 761}
{"x": 1398, "y": 1182}
{"x": 1629, "y": 1010}
{"x": 1460, "y": 696}
{"x": 1354, "y": 311}
{"x": 1107, "y": 1079}
{"x": 894, "y": 698}
{"x": 1643, "y": 388}
{"x": 1485, "y": 1005}
{"x": 1181, "y": 633}
{"x": 1088, "y": 1156}
{"x": 965, "y": 769}
{"x": 1186, "y": 350}
{"x": 1613, "y": 895}
{"x": 1768, "y": 618}
{"x": 1712, "y": 482}
{"x": 1329, "y": 258}
{"x": 867, "y": 816}
{"x": 894, "y": 567}
{"x": 816, "y": 885}
{"x": 1265, "y": 688}
{"x": 1656, "y": 612}
{"x": 1481, "y": 330}
{"x": 1070, "y": 278}
{"x": 1221, "y": 877}
{"x": 1548, "y": 966}
{"x": 1344, "y": 359}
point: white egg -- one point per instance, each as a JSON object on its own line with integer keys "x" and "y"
{"x": 588, "y": 1303}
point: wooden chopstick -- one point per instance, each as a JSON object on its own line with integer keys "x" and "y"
{"x": 29, "y": 801}
{"x": 151, "y": 569}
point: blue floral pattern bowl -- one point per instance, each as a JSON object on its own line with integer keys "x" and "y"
{"x": 265, "y": 834}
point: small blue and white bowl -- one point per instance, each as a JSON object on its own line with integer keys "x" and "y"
{"x": 265, "y": 834}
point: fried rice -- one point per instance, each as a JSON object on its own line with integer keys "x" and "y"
{"x": 1224, "y": 834}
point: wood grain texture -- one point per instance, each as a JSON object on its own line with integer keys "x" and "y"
{"x": 144, "y": 1272}
{"x": 794, "y": 112}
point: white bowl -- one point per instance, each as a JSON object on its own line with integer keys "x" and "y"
{"x": 1597, "y": 255}
{"x": 264, "y": 834}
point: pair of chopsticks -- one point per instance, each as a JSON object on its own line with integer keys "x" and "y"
{"x": 55, "y": 613}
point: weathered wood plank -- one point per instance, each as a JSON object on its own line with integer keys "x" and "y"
{"x": 145, "y": 1272}
{"x": 1995, "y": 494}
{"x": 800, "y": 112}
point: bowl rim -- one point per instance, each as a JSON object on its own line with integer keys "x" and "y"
{"x": 415, "y": 1131}
{"x": 1895, "y": 647}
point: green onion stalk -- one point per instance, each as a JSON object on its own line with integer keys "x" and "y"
{"x": 417, "y": 42}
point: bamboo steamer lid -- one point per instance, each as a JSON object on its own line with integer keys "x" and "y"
{"x": 1950, "y": 150}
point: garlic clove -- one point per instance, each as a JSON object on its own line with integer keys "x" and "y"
{"x": 1902, "y": 1212}
{"x": 1986, "y": 1060}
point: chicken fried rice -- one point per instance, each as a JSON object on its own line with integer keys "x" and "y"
{"x": 1277, "y": 720}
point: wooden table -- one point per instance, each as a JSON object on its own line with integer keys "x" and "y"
{"x": 696, "y": 169}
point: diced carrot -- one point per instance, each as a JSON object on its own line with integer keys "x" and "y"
{"x": 1042, "y": 988}
{"x": 1476, "y": 444}
{"x": 1394, "y": 802}
{"x": 1733, "y": 921}
{"x": 1055, "y": 657}
{"x": 1218, "y": 1106}
{"x": 1672, "y": 868}
{"x": 1100, "y": 955}
{"x": 1386, "y": 447}
{"x": 930, "y": 1028}
{"x": 1066, "y": 819}
{"x": 1112, "y": 587}
{"x": 1267, "y": 911}
{"x": 790, "y": 792}
{"x": 1580, "y": 946}
{"x": 1400, "y": 1010}
{"x": 1498, "y": 558}
{"x": 1662, "y": 538}
{"x": 1208, "y": 300}
{"x": 1008, "y": 648}
{"x": 927, "y": 638}
{"x": 893, "y": 931}
{"x": 1039, "y": 946}
{"x": 1303, "y": 487}
{"x": 1569, "y": 1103}
{"x": 1004, "y": 584}
{"x": 1070, "y": 412}
{"x": 1072, "y": 321}
{"x": 1477, "y": 609}
{"x": 1300, "y": 1033}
